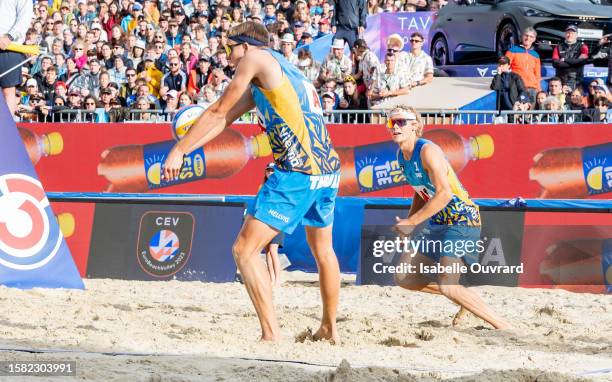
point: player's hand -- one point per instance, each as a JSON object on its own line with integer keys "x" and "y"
{"x": 173, "y": 164}
{"x": 403, "y": 227}
{"x": 4, "y": 42}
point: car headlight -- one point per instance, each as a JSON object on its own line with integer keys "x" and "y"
{"x": 532, "y": 12}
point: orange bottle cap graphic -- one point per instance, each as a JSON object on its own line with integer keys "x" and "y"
{"x": 66, "y": 223}
{"x": 260, "y": 146}
{"x": 483, "y": 146}
{"x": 53, "y": 143}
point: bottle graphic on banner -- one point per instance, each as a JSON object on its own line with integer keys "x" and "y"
{"x": 138, "y": 168}
{"x": 374, "y": 167}
{"x": 573, "y": 172}
{"x": 41, "y": 146}
{"x": 579, "y": 262}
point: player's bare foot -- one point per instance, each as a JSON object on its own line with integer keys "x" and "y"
{"x": 326, "y": 333}
{"x": 269, "y": 338}
{"x": 460, "y": 316}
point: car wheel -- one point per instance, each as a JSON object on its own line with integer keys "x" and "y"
{"x": 439, "y": 51}
{"x": 506, "y": 37}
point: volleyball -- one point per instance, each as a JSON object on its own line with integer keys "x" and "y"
{"x": 183, "y": 120}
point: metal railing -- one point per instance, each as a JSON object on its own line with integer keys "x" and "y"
{"x": 429, "y": 116}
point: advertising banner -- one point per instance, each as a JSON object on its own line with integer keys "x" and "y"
{"x": 33, "y": 252}
{"x": 492, "y": 161}
{"x": 381, "y": 25}
{"x": 164, "y": 241}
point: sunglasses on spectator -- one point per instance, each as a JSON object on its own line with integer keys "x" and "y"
{"x": 90, "y": 104}
{"x": 174, "y": 64}
{"x": 131, "y": 74}
{"x": 391, "y": 50}
{"x": 415, "y": 40}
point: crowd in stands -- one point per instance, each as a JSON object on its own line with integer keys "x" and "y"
{"x": 144, "y": 59}
{"x": 112, "y": 57}
{"x": 518, "y": 81}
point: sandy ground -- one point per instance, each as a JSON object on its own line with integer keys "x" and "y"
{"x": 192, "y": 331}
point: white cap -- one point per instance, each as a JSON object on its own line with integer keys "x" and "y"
{"x": 172, "y": 93}
{"x": 288, "y": 37}
{"x": 140, "y": 44}
{"x": 96, "y": 26}
{"x": 31, "y": 81}
{"x": 338, "y": 44}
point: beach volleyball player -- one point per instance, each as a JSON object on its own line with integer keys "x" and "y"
{"x": 442, "y": 217}
{"x": 303, "y": 188}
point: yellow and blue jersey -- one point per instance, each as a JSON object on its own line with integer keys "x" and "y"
{"x": 461, "y": 210}
{"x": 292, "y": 116}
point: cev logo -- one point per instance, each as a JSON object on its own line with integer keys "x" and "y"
{"x": 28, "y": 240}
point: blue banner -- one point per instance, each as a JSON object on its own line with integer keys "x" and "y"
{"x": 381, "y": 25}
{"x": 33, "y": 252}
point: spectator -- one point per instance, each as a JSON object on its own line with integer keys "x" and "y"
{"x": 47, "y": 86}
{"x": 175, "y": 79}
{"x": 90, "y": 109}
{"x": 420, "y": 65}
{"x": 117, "y": 72}
{"x": 185, "y": 100}
{"x": 374, "y": 7}
{"x": 349, "y": 20}
{"x": 353, "y": 100}
{"x": 140, "y": 108}
{"x": 395, "y": 45}
{"x": 31, "y": 90}
{"x": 552, "y": 103}
{"x": 522, "y": 104}
{"x": 388, "y": 82}
{"x": 209, "y": 96}
{"x": 328, "y": 100}
{"x": 198, "y": 77}
{"x": 199, "y": 41}
{"x": 188, "y": 57}
{"x": 336, "y": 65}
{"x": 576, "y": 100}
{"x": 324, "y": 28}
{"x": 569, "y": 58}
{"x": 218, "y": 81}
{"x": 74, "y": 99}
{"x": 173, "y": 36}
{"x": 525, "y": 62}
{"x": 555, "y": 89}
{"x": 603, "y": 55}
{"x": 308, "y": 66}
{"x": 130, "y": 87}
{"x": 137, "y": 53}
{"x": 143, "y": 91}
{"x": 599, "y": 113}
{"x": 365, "y": 63}
{"x": 508, "y": 85}
{"x": 171, "y": 102}
{"x": 287, "y": 46}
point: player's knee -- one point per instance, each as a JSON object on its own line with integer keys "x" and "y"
{"x": 449, "y": 290}
{"x": 238, "y": 250}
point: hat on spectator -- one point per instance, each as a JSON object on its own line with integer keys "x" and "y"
{"x": 572, "y": 28}
{"x": 396, "y": 38}
{"x": 288, "y": 38}
{"x": 137, "y": 7}
{"x": 65, "y": 5}
{"x": 338, "y": 44}
{"x": 31, "y": 82}
{"x": 204, "y": 57}
{"x": 200, "y": 14}
{"x": 306, "y": 35}
{"x": 140, "y": 44}
{"x": 96, "y": 26}
{"x": 523, "y": 98}
{"x": 298, "y": 24}
{"x": 82, "y": 2}
{"x": 106, "y": 91}
{"x": 114, "y": 101}
{"x": 74, "y": 91}
{"x": 331, "y": 95}
{"x": 172, "y": 93}
{"x": 503, "y": 60}
{"x": 350, "y": 78}
{"x": 227, "y": 16}
{"x": 316, "y": 10}
{"x": 602, "y": 88}
{"x": 324, "y": 20}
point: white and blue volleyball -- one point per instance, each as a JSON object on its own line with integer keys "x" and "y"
{"x": 184, "y": 118}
